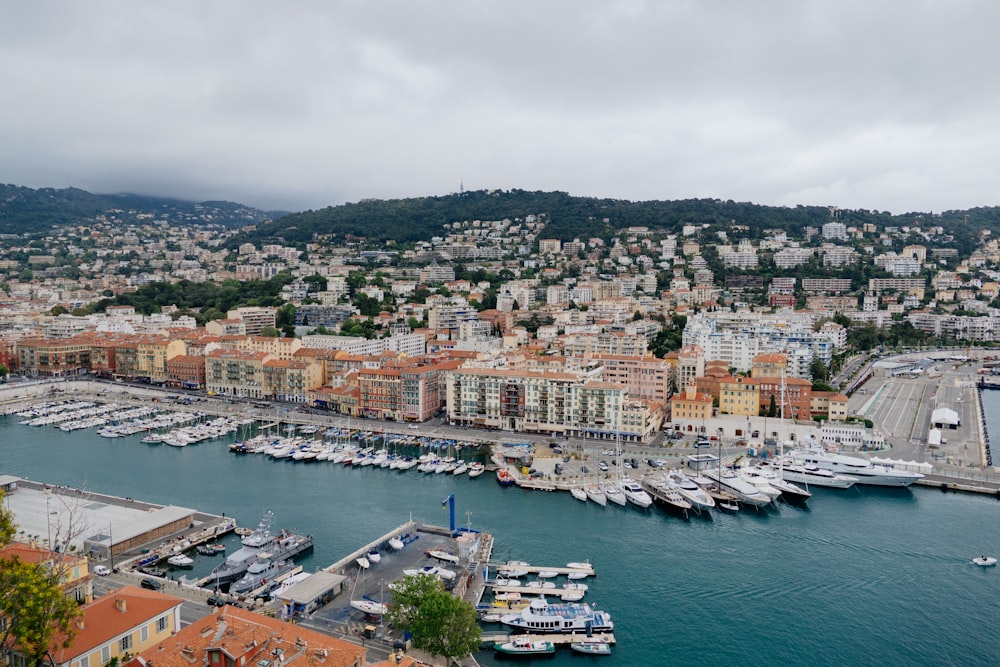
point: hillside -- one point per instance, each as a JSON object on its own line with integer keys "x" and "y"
{"x": 25, "y": 211}
{"x": 418, "y": 219}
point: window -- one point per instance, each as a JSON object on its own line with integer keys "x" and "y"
{"x": 144, "y": 633}
{"x": 125, "y": 643}
{"x": 105, "y": 655}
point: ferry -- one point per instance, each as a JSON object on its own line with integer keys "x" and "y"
{"x": 542, "y": 617}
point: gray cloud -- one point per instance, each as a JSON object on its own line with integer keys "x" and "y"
{"x": 885, "y": 105}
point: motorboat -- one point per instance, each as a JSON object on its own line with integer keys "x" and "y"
{"x": 431, "y": 570}
{"x": 374, "y": 556}
{"x": 596, "y": 494}
{"x": 504, "y": 478}
{"x": 581, "y": 570}
{"x": 540, "y": 616}
{"x": 547, "y": 574}
{"x": 514, "y": 568}
{"x": 863, "y": 470}
{"x": 730, "y": 482}
{"x": 442, "y": 555}
{"x": 396, "y": 544}
{"x": 579, "y": 494}
{"x": 690, "y": 491}
{"x": 635, "y": 494}
{"x": 985, "y": 561}
{"x": 754, "y": 476}
{"x": 773, "y": 476}
{"x": 210, "y": 549}
{"x": 363, "y": 562}
{"x": 591, "y": 647}
{"x": 524, "y": 645}
{"x": 476, "y": 469}
{"x": 811, "y": 475}
{"x": 547, "y": 585}
{"x": 663, "y": 490}
{"x": 180, "y": 560}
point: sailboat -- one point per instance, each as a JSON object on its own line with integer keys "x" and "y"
{"x": 366, "y": 604}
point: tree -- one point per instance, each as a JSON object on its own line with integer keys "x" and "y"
{"x": 33, "y": 606}
{"x": 772, "y": 408}
{"x": 441, "y": 624}
{"x": 58, "y": 310}
{"x": 819, "y": 371}
{"x": 270, "y": 332}
{"x": 4, "y": 371}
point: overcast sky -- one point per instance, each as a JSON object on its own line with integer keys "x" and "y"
{"x": 295, "y": 105}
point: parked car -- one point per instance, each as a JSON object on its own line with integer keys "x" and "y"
{"x": 559, "y": 469}
{"x": 699, "y": 443}
{"x": 101, "y": 570}
{"x": 215, "y": 601}
{"x": 151, "y": 584}
{"x": 603, "y": 466}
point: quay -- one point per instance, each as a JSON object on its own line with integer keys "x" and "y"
{"x": 556, "y": 638}
{"x": 534, "y": 569}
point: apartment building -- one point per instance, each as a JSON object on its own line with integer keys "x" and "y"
{"x": 236, "y": 372}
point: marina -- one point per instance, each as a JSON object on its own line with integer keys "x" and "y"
{"x": 860, "y": 535}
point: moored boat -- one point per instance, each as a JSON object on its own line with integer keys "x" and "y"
{"x": 504, "y": 478}
{"x": 524, "y": 646}
{"x": 180, "y": 560}
{"x": 592, "y": 647}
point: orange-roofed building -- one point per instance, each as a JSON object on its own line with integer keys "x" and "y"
{"x": 118, "y": 625}
{"x": 234, "y": 637}
{"x": 690, "y": 409}
{"x": 75, "y": 578}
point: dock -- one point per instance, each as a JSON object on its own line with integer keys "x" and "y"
{"x": 535, "y": 569}
{"x": 559, "y": 638}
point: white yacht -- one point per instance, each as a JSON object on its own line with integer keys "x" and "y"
{"x": 690, "y": 491}
{"x": 730, "y": 482}
{"x": 614, "y": 493}
{"x": 635, "y": 494}
{"x": 596, "y": 494}
{"x": 810, "y": 475}
{"x": 863, "y": 470}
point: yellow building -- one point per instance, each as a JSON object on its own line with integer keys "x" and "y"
{"x": 771, "y": 365}
{"x": 689, "y": 409}
{"x": 739, "y": 396}
{"x": 236, "y": 372}
{"x": 152, "y": 353}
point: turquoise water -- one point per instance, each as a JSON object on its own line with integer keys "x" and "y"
{"x": 862, "y": 577}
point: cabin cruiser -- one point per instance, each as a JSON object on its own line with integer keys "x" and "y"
{"x": 635, "y": 494}
{"x": 863, "y": 470}
{"x": 663, "y": 489}
{"x": 808, "y": 474}
{"x": 730, "y": 482}
{"x": 691, "y": 492}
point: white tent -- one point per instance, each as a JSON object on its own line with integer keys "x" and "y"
{"x": 934, "y": 438}
{"x": 945, "y": 417}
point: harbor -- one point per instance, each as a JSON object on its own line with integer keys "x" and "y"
{"x": 647, "y": 560}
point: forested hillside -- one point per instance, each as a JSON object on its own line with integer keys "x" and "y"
{"x": 29, "y": 211}
{"x": 417, "y": 219}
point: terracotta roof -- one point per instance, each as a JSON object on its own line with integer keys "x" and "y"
{"x": 248, "y": 638}
{"x": 114, "y": 614}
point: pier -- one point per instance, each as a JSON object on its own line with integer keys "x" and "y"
{"x": 559, "y": 638}
{"x": 535, "y": 569}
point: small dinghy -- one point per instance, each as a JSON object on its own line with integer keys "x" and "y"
{"x": 985, "y": 561}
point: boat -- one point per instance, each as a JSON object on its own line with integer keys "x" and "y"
{"x": 540, "y": 616}
{"x": 614, "y": 493}
{"x": 396, "y": 544}
{"x": 635, "y": 494}
{"x": 596, "y": 494}
{"x": 210, "y": 549}
{"x": 180, "y": 560}
{"x": 863, "y": 470}
{"x": 442, "y": 555}
{"x": 578, "y": 493}
{"x": 592, "y": 647}
{"x": 690, "y": 491}
{"x": 374, "y": 556}
{"x": 370, "y": 607}
{"x": 985, "y": 561}
{"x": 547, "y": 574}
{"x": 431, "y": 570}
{"x": 524, "y": 646}
{"x": 729, "y": 482}
{"x": 504, "y": 478}
{"x": 665, "y": 492}
{"x": 264, "y": 569}
{"x": 790, "y": 491}
{"x": 811, "y": 475}
{"x": 363, "y": 562}
{"x": 282, "y": 546}
{"x": 476, "y": 469}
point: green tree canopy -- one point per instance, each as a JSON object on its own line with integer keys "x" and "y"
{"x": 440, "y": 623}
{"x": 33, "y": 605}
